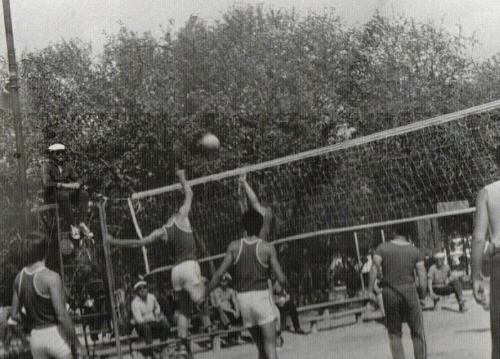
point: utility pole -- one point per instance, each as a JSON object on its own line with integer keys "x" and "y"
{"x": 15, "y": 104}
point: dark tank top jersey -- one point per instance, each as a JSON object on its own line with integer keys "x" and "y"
{"x": 182, "y": 242}
{"x": 39, "y": 310}
{"x": 249, "y": 272}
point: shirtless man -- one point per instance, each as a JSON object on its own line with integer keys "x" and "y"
{"x": 186, "y": 274}
{"x": 487, "y": 220}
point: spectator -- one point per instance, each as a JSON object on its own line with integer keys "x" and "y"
{"x": 441, "y": 282}
{"x": 63, "y": 186}
{"x": 224, "y": 301}
{"x": 286, "y": 305}
{"x": 149, "y": 320}
{"x": 365, "y": 269}
{"x": 352, "y": 279}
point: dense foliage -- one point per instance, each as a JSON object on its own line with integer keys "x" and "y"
{"x": 267, "y": 82}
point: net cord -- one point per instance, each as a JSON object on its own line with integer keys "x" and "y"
{"x": 338, "y": 230}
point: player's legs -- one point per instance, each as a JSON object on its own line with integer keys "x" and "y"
{"x": 392, "y": 301}
{"x": 184, "y": 313}
{"x": 269, "y": 338}
{"x": 416, "y": 324}
{"x": 258, "y": 339}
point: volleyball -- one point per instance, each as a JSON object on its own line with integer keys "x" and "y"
{"x": 210, "y": 141}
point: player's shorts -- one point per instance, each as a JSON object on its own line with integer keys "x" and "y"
{"x": 48, "y": 343}
{"x": 187, "y": 272}
{"x": 256, "y": 308}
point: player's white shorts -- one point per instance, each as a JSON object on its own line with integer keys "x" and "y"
{"x": 256, "y": 308}
{"x": 48, "y": 343}
{"x": 187, "y": 272}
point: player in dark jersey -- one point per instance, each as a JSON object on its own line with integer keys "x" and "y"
{"x": 252, "y": 260}
{"x": 399, "y": 261}
{"x": 186, "y": 274}
{"x": 39, "y": 302}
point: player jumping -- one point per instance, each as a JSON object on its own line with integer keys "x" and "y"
{"x": 186, "y": 274}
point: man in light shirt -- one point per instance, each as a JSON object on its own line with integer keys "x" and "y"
{"x": 149, "y": 320}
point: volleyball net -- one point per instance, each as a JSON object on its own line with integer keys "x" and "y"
{"x": 401, "y": 174}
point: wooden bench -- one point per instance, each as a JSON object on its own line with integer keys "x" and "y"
{"x": 134, "y": 343}
{"x": 324, "y": 312}
{"x": 215, "y": 337}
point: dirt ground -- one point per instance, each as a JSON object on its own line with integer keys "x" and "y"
{"x": 450, "y": 335}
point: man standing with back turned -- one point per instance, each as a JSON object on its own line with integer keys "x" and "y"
{"x": 252, "y": 259}
{"x": 398, "y": 260}
{"x": 487, "y": 219}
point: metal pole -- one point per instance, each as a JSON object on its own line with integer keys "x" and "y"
{"x": 16, "y": 111}
{"x": 359, "y": 260}
{"x": 111, "y": 280}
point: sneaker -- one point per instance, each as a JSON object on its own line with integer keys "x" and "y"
{"x": 75, "y": 233}
{"x": 86, "y": 231}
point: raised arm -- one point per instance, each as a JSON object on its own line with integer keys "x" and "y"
{"x": 153, "y": 236}
{"x": 188, "y": 195}
{"x": 478, "y": 241}
{"x": 252, "y": 197}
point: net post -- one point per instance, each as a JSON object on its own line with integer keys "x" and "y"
{"x": 139, "y": 233}
{"x": 109, "y": 273}
{"x": 382, "y": 233}
{"x": 359, "y": 259}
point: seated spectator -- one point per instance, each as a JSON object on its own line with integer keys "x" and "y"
{"x": 227, "y": 308}
{"x": 286, "y": 305}
{"x": 441, "y": 282}
{"x": 63, "y": 186}
{"x": 224, "y": 301}
{"x": 365, "y": 269}
{"x": 148, "y": 318}
{"x": 352, "y": 278}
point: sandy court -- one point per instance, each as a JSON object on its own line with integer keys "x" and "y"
{"x": 450, "y": 335}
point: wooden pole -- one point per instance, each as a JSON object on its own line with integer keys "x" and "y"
{"x": 359, "y": 259}
{"x": 383, "y": 235}
{"x": 16, "y": 111}
{"x": 111, "y": 281}
{"x": 139, "y": 233}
